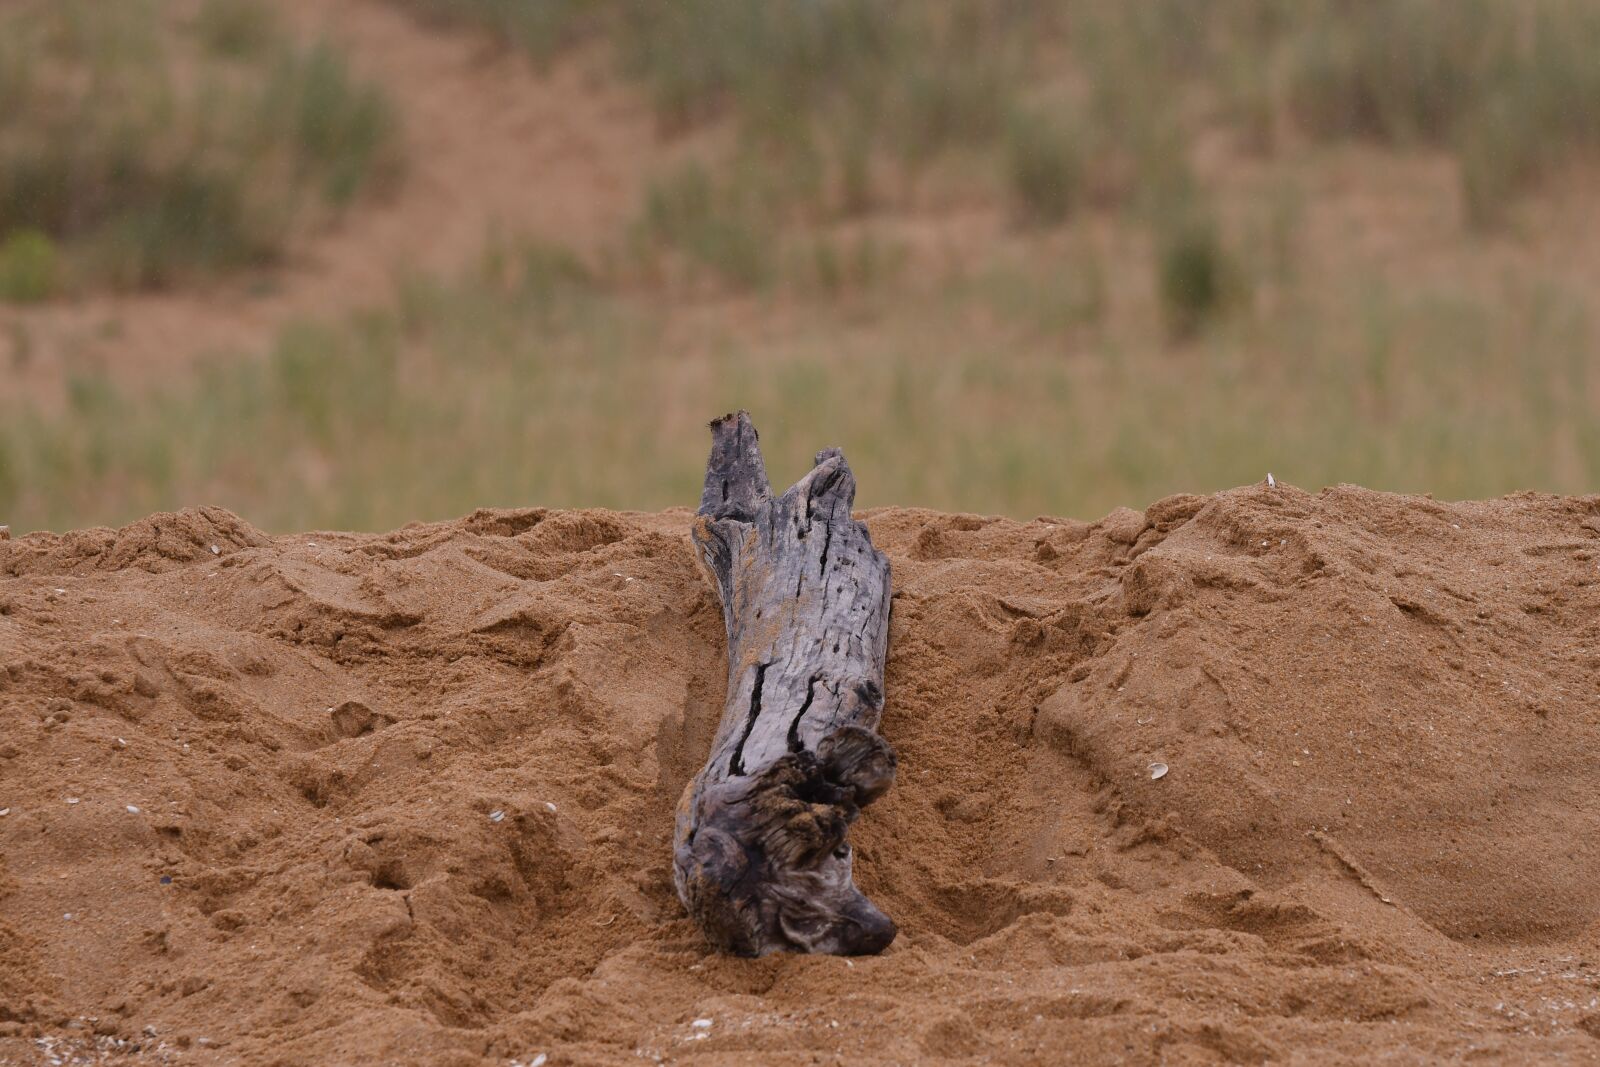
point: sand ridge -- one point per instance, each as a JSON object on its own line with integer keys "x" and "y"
{"x": 407, "y": 798}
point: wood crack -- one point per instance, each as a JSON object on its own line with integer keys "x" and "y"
{"x": 794, "y": 727}
{"x": 736, "y": 764}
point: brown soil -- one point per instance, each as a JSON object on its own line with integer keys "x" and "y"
{"x": 407, "y": 798}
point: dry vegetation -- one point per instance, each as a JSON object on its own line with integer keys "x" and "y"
{"x": 1018, "y": 257}
{"x": 139, "y": 149}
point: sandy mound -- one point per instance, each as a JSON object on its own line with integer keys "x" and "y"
{"x": 339, "y": 799}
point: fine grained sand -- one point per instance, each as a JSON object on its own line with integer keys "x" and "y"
{"x": 407, "y": 798}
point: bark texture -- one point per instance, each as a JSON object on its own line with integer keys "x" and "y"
{"x": 761, "y": 859}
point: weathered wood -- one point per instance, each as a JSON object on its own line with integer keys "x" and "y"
{"x": 761, "y": 859}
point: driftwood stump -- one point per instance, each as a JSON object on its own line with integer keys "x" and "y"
{"x": 760, "y": 856}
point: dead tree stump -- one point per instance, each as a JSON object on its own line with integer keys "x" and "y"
{"x": 760, "y": 857}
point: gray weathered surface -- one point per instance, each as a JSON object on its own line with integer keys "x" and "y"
{"x": 761, "y": 859}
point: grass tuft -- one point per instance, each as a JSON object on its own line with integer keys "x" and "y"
{"x": 1195, "y": 276}
{"x": 30, "y": 267}
{"x": 339, "y": 133}
{"x": 140, "y": 179}
{"x": 1044, "y": 170}
{"x": 1397, "y": 71}
{"x": 1509, "y": 87}
{"x": 716, "y": 228}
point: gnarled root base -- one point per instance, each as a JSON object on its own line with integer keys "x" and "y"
{"x": 763, "y": 863}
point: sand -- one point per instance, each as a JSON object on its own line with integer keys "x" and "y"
{"x": 407, "y": 798}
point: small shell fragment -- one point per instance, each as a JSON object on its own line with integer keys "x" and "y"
{"x": 4, "y": 812}
{"x": 72, "y": 800}
{"x": 701, "y": 1024}
{"x": 549, "y": 806}
{"x": 1158, "y": 770}
{"x": 215, "y": 551}
{"x": 496, "y": 816}
{"x": 1271, "y": 483}
{"x": 132, "y": 809}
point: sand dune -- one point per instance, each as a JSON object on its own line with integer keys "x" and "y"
{"x": 407, "y": 798}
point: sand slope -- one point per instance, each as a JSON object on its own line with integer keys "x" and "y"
{"x": 1379, "y": 840}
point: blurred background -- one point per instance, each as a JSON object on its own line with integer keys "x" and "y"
{"x": 351, "y": 263}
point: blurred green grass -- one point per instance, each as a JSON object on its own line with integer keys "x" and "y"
{"x": 1509, "y": 89}
{"x": 530, "y": 381}
{"x": 1145, "y": 320}
{"x": 138, "y": 149}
